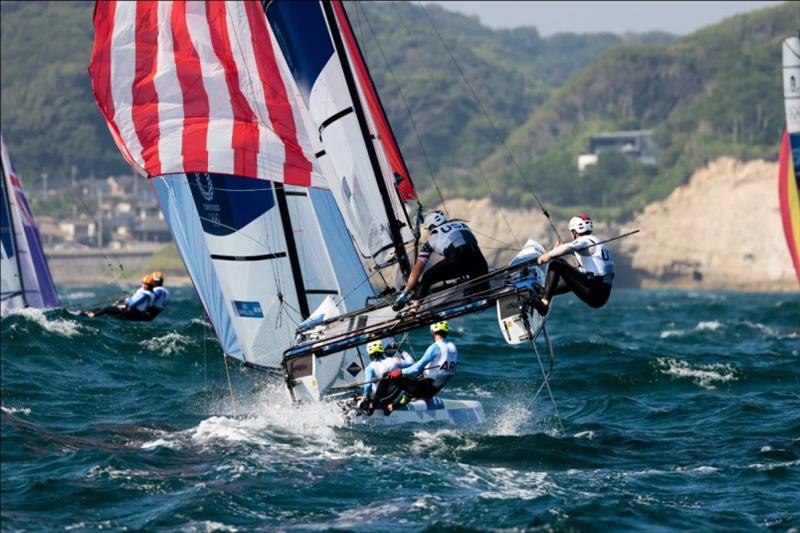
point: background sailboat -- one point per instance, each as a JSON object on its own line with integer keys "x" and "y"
{"x": 25, "y": 276}
{"x": 789, "y": 162}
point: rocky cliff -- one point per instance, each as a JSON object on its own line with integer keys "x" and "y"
{"x": 722, "y": 230}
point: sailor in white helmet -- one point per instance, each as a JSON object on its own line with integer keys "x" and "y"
{"x": 591, "y": 280}
{"x": 426, "y": 377}
{"x": 454, "y": 241}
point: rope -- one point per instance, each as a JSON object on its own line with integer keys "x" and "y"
{"x": 494, "y": 127}
{"x": 545, "y": 375}
{"x": 230, "y": 386}
{"x": 405, "y": 103}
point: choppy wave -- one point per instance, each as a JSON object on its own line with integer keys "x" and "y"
{"x": 705, "y": 375}
{"x": 671, "y": 415}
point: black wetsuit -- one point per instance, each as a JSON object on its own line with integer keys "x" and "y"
{"x": 123, "y": 312}
{"x": 563, "y": 278}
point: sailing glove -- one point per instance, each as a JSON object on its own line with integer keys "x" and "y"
{"x": 395, "y": 374}
{"x": 401, "y": 300}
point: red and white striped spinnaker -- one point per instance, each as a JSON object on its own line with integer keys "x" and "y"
{"x": 198, "y": 87}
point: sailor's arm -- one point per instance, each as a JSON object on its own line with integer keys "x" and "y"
{"x": 424, "y": 361}
{"x": 369, "y": 375}
{"x": 559, "y": 250}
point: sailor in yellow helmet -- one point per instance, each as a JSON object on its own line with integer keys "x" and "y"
{"x": 378, "y": 392}
{"x": 133, "y": 308}
{"x": 426, "y": 377}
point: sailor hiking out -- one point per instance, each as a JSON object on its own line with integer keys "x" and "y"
{"x": 426, "y": 377}
{"x": 455, "y": 242}
{"x": 135, "y": 307}
{"x": 591, "y": 280}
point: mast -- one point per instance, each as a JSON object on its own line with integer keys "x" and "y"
{"x": 394, "y": 224}
{"x": 7, "y": 186}
{"x": 291, "y": 249}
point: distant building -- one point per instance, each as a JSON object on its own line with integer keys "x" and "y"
{"x": 635, "y": 145}
{"x": 151, "y": 230}
{"x": 77, "y": 229}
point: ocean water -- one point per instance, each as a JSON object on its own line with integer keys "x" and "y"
{"x": 680, "y": 410}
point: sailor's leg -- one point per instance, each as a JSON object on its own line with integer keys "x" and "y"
{"x": 477, "y": 267}
{"x": 592, "y": 291}
{"x": 441, "y": 271}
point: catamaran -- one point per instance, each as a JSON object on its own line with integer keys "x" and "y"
{"x": 266, "y": 143}
{"x": 25, "y": 279}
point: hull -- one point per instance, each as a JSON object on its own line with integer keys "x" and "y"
{"x": 455, "y": 412}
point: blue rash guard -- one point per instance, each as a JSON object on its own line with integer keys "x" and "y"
{"x": 430, "y": 354}
{"x": 376, "y": 370}
{"x": 160, "y": 297}
{"x": 141, "y": 300}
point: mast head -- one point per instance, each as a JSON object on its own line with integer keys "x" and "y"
{"x": 581, "y": 224}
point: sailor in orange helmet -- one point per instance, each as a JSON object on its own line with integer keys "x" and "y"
{"x": 160, "y": 295}
{"x": 134, "y": 308}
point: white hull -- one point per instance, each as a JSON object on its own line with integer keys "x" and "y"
{"x": 456, "y": 412}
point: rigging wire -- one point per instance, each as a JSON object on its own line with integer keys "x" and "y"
{"x": 491, "y": 122}
{"x": 115, "y": 274}
{"x": 359, "y": 11}
{"x": 545, "y": 375}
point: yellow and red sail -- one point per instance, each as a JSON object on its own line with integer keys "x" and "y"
{"x": 789, "y": 162}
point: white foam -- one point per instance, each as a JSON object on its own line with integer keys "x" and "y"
{"x": 672, "y": 333}
{"x": 704, "y": 375}
{"x": 78, "y": 295}
{"x": 498, "y": 483}
{"x": 66, "y": 328}
{"x": 588, "y": 435}
{"x": 269, "y": 419}
{"x": 15, "y": 410}
{"x": 169, "y": 344}
{"x": 711, "y": 325}
{"x": 511, "y": 420}
{"x": 428, "y": 442}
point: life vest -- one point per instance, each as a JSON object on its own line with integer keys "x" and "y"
{"x": 448, "y": 235}
{"x": 443, "y": 367}
{"x": 595, "y": 260}
{"x": 160, "y": 297}
{"x": 141, "y": 300}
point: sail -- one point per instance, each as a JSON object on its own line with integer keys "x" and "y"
{"x": 26, "y": 280}
{"x": 200, "y": 101}
{"x": 352, "y": 136}
{"x": 789, "y": 162}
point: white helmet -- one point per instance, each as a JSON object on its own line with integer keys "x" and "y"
{"x": 433, "y": 219}
{"x": 581, "y": 224}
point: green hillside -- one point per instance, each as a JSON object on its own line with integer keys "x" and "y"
{"x": 715, "y": 92}
{"x": 51, "y": 123}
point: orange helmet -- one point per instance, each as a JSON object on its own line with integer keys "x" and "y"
{"x": 148, "y": 280}
{"x": 158, "y": 278}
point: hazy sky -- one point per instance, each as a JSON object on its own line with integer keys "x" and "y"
{"x": 616, "y": 17}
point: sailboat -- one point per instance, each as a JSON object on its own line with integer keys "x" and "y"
{"x": 25, "y": 279}
{"x": 789, "y": 159}
{"x": 265, "y": 141}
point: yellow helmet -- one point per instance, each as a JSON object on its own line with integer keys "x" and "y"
{"x": 375, "y": 347}
{"x": 158, "y": 277}
{"x": 442, "y": 326}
